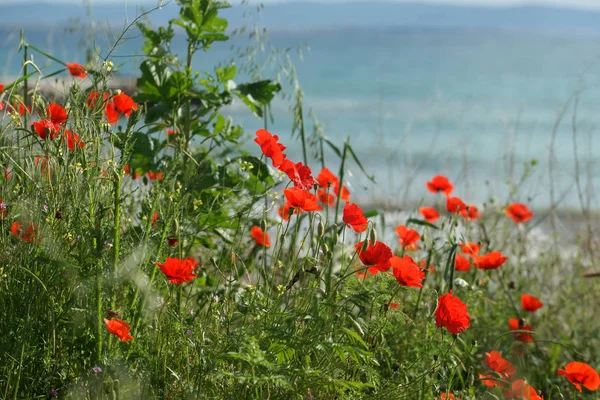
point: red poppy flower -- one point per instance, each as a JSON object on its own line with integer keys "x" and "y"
{"x": 127, "y": 171}
{"x": 451, "y": 313}
{"x": 393, "y": 305}
{"x": 1, "y": 88}
{"x": 449, "y": 396}
{"x": 178, "y": 270}
{"x": 172, "y": 241}
{"x": 327, "y": 199}
{"x": 344, "y": 193}
{"x": 470, "y": 248}
{"x": 462, "y": 264}
{"x": 124, "y": 103}
{"x": 470, "y": 213}
{"x": 77, "y": 70}
{"x": 518, "y": 212}
{"x": 490, "y": 261}
{"x": 119, "y": 328}
{"x": 44, "y": 165}
{"x": 171, "y": 131}
{"x": 489, "y": 380}
{"x": 530, "y": 303}
{"x": 440, "y": 183}
{"x": 261, "y": 238}
{"x": 515, "y": 324}
{"x": 302, "y": 199}
{"x": 496, "y": 362}
{"x": 20, "y": 108}
{"x": 522, "y": 391}
{"x": 45, "y": 128}
{"x": 155, "y": 175}
{"x": 375, "y": 256}
{"x": 326, "y": 179}
{"x": 406, "y": 271}
{"x": 155, "y": 217}
{"x": 270, "y": 147}
{"x": 284, "y": 210}
{"x": 298, "y": 173}
{"x": 57, "y": 114}
{"x": 29, "y": 235}
{"x": 1, "y": 106}
{"x": 581, "y": 374}
{"x": 455, "y": 205}
{"x": 93, "y": 99}
{"x": 111, "y": 113}
{"x": 355, "y": 218}
{"x": 73, "y": 140}
{"x": 408, "y": 237}
{"x": 429, "y": 213}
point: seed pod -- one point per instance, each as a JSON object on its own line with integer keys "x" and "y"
{"x": 320, "y": 229}
{"x": 373, "y": 236}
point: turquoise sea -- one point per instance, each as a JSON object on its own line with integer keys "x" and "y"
{"x": 475, "y": 104}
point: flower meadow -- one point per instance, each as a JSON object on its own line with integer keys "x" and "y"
{"x": 146, "y": 253}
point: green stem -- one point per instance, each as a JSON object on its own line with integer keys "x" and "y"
{"x": 337, "y": 203}
{"x": 116, "y": 231}
{"x": 99, "y": 315}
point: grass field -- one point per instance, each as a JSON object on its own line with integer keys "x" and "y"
{"x": 145, "y": 254}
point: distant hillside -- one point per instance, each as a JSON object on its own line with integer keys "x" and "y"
{"x": 312, "y": 14}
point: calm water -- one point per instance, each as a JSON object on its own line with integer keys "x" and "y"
{"x": 474, "y": 105}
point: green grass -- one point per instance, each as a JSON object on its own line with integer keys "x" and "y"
{"x": 291, "y": 321}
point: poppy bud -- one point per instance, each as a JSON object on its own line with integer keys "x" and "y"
{"x": 373, "y": 236}
{"x": 335, "y": 237}
{"x": 214, "y": 262}
{"x": 263, "y": 225}
{"x": 325, "y": 248}
{"x": 365, "y": 246}
{"x": 320, "y": 229}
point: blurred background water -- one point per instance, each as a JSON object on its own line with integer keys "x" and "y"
{"x": 475, "y": 103}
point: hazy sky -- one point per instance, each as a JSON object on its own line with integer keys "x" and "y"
{"x": 555, "y": 3}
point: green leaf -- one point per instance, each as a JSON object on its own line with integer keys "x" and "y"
{"x": 420, "y": 222}
{"x": 371, "y": 213}
{"x": 335, "y": 149}
{"x": 256, "y": 95}
{"x": 371, "y": 178}
{"x": 225, "y": 74}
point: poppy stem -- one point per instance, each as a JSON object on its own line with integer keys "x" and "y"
{"x": 341, "y": 174}
{"x": 117, "y": 230}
